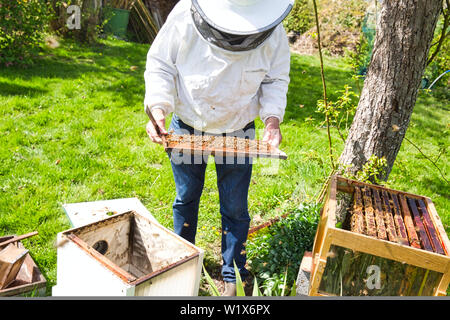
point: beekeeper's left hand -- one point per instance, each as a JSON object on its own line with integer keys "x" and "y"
{"x": 272, "y": 132}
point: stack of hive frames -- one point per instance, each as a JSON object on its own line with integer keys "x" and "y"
{"x": 222, "y": 146}
{"x": 341, "y": 256}
{"x": 400, "y": 218}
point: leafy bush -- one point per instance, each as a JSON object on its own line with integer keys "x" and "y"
{"x": 359, "y": 57}
{"x": 22, "y": 24}
{"x": 372, "y": 171}
{"x": 275, "y": 254}
{"x": 300, "y": 19}
{"x": 341, "y": 24}
{"x": 441, "y": 60}
{"x": 342, "y": 14}
{"x": 340, "y": 112}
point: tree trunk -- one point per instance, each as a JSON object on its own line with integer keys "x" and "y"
{"x": 90, "y": 18}
{"x": 404, "y": 34}
{"x": 160, "y": 9}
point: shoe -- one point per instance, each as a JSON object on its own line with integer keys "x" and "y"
{"x": 230, "y": 289}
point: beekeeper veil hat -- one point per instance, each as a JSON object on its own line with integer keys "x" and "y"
{"x": 238, "y": 25}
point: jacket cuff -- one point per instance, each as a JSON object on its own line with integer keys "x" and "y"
{"x": 271, "y": 116}
{"x": 164, "y": 109}
{"x": 163, "y": 106}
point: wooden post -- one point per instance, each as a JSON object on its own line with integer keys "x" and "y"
{"x": 17, "y": 238}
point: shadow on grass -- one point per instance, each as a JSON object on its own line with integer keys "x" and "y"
{"x": 426, "y": 116}
{"x": 51, "y": 67}
{"x": 71, "y": 61}
{"x": 437, "y": 186}
{"x": 12, "y": 89}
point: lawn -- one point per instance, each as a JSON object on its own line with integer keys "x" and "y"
{"x": 72, "y": 130}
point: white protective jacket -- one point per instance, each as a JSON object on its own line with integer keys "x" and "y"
{"x": 210, "y": 88}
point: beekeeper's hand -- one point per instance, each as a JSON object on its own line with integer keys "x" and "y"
{"x": 160, "y": 118}
{"x": 272, "y": 132}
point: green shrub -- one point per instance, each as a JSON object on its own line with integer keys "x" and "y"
{"x": 359, "y": 57}
{"x": 275, "y": 254}
{"x": 440, "y": 62}
{"x": 300, "y": 19}
{"x": 341, "y": 24}
{"x": 22, "y": 23}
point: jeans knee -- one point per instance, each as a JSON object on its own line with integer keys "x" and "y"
{"x": 238, "y": 214}
{"x": 187, "y": 197}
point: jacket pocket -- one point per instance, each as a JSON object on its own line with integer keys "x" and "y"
{"x": 251, "y": 81}
{"x": 196, "y": 83}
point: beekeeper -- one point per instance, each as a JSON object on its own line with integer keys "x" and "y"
{"x": 217, "y": 65}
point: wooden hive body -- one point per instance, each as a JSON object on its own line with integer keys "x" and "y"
{"x": 350, "y": 243}
{"x": 29, "y": 279}
{"x": 11, "y": 259}
{"x": 126, "y": 255}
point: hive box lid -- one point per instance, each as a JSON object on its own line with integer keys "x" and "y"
{"x": 83, "y": 213}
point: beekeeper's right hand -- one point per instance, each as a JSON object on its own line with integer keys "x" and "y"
{"x": 160, "y": 118}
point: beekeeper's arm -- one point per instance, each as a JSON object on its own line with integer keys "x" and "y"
{"x": 273, "y": 91}
{"x": 160, "y": 76}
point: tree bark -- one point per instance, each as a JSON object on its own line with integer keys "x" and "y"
{"x": 402, "y": 42}
{"x": 90, "y": 17}
{"x": 160, "y": 9}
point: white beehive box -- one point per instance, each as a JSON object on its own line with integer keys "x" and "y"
{"x": 126, "y": 255}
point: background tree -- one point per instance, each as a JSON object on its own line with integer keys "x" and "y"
{"x": 160, "y": 9}
{"x": 90, "y": 18}
{"x": 404, "y": 33}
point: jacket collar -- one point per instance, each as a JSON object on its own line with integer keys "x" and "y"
{"x": 228, "y": 41}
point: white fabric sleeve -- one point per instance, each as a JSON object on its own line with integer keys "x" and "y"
{"x": 275, "y": 85}
{"x": 160, "y": 70}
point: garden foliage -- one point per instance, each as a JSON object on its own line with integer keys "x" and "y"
{"x": 300, "y": 19}
{"x": 22, "y": 24}
{"x": 341, "y": 24}
{"x": 275, "y": 254}
{"x": 441, "y": 59}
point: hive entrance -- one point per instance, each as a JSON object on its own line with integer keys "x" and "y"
{"x": 101, "y": 246}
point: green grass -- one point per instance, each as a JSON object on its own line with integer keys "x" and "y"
{"x": 72, "y": 130}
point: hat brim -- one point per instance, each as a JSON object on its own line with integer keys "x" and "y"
{"x": 229, "y": 17}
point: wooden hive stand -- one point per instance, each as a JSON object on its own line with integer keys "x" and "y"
{"x": 383, "y": 242}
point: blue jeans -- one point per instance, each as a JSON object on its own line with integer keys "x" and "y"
{"x": 233, "y": 180}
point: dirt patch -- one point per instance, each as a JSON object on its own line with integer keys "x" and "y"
{"x": 335, "y": 42}
{"x": 213, "y": 265}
